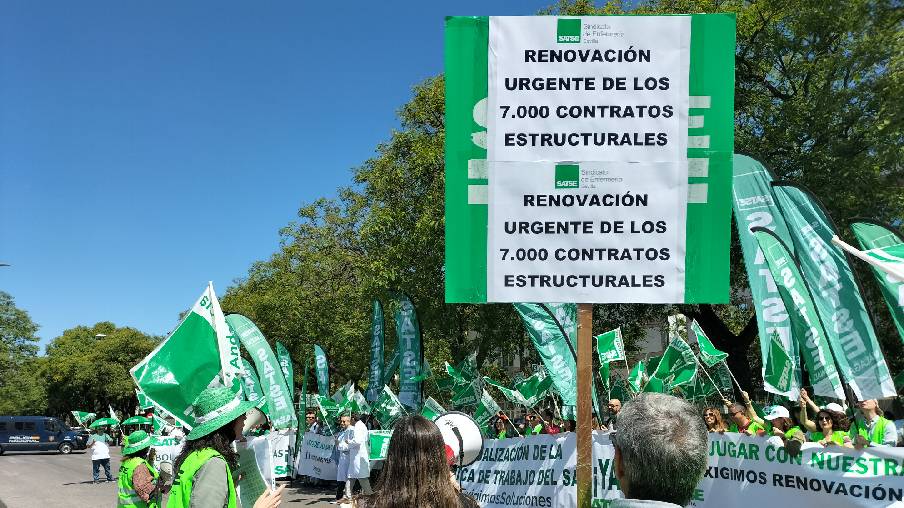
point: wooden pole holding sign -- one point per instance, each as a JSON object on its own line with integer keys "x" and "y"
{"x": 584, "y": 469}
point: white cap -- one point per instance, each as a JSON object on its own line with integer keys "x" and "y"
{"x": 777, "y": 412}
{"x": 832, "y": 406}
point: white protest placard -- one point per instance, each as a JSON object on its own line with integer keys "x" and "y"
{"x": 596, "y": 165}
{"x": 166, "y": 449}
{"x": 282, "y": 444}
{"x": 316, "y": 457}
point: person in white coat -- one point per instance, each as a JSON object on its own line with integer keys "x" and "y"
{"x": 344, "y": 436}
{"x": 358, "y": 458}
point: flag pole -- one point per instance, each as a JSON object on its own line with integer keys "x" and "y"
{"x": 584, "y": 463}
{"x": 707, "y": 374}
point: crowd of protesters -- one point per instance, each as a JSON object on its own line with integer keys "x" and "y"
{"x": 806, "y": 423}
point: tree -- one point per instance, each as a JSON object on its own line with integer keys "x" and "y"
{"x": 90, "y": 373}
{"x": 21, "y": 388}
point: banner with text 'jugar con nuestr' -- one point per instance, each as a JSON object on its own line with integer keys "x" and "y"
{"x": 539, "y": 471}
{"x": 588, "y": 159}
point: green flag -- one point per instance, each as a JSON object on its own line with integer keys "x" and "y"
{"x": 273, "y": 384}
{"x": 390, "y": 368}
{"x": 377, "y": 379}
{"x": 806, "y": 328}
{"x": 285, "y": 364}
{"x": 553, "y": 348}
{"x": 835, "y": 294}
{"x": 466, "y": 394}
{"x": 778, "y": 365}
{"x": 184, "y": 364}
{"x": 722, "y": 377}
{"x": 654, "y": 385}
{"x": 387, "y": 409}
{"x": 610, "y": 346}
{"x": 604, "y": 375}
{"x": 678, "y": 365}
{"x": 409, "y": 345}
{"x": 533, "y": 388}
{"x": 512, "y": 395}
{"x": 426, "y": 373}
{"x": 465, "y": 371}
{"x": 83, "y": 417}
{"x": 432, "y": 410}
{"x": 708, "y": 353}
{"x": 322, "y": 371}
{"x": 635, "y": 377}
{"x": 356, "y": 403}
{"x": 873, "y": 235}
{"x": 754, "y": 206}
{"x": 303, "y": 406}
{"x": 343, "y": 393}
{"x": 329, "y": 411}
{"x": 486, "y": 410}
{"x": 253, "y": 391}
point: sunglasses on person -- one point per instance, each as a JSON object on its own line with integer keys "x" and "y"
{"x": 823, "y": 417}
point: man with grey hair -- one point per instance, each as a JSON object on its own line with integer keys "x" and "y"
{"x": 661, "y": 448}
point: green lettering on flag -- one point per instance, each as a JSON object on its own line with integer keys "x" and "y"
{"x": 83, "y": 417}
{"x": 184, "y": 364}
{"x": 409, "y": 345}
{"x": 872, "y": 235}
{"x": 322, "y": 370}
{"x": 273, "y": 384}
{"x": 377, "y": 378}
{"x": 610, "y": 346}
{"x": 708, "y": 353}
{"x": 835, "y": 294}
{"x": 778, "y": 365}
{"x": 806, "y": 327}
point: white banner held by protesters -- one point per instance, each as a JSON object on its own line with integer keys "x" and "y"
{"x": 316, "y": 457}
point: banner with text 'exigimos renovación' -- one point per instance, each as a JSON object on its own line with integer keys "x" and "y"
{"x": 588, "y": 159}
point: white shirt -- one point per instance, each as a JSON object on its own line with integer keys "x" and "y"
{"x": 99, "y": 448}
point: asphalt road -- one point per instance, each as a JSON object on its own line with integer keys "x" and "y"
{"x": 29, "y": 479}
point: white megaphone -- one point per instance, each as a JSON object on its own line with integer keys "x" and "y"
{"x": 253, "y": 418}
{"x": 462, "y": 434}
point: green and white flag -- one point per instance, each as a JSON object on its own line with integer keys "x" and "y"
{"x": 465, "y": 371}
{"x": 408, "y": 332}
{"x": 466, "y": 394}
{"x": 253, "y": 390}
{"x": 553, "y": 348}
{"x": 228, "y": 345}
{"x": 873, "y": 235}
{"x": 709, "y": 355}
{"x": 273, "y": 384}
{"x": 835, "y": 293}
{"x": 432, "y": 409}
{"x": 426, "y": 373}
{"x": 356, "y": 403}
{"x": 323, "y": 371}
{"x": 610, "y": 346}
{"x": 343, "y": 393}
{"x": 285, "y": 364}
{"x": 377, "y": 380}
{"x": 184, "y": 364}
{"x": 778, "y": 364}
{"x": 329, "y": 411}
{"x": 533, "y": 388}
{"x": 509, "y": 200}
{"x": 889, "y": 260}
{"x": 636, "y": 377}
{"x": 83, "y": 417}
{"x": 678, "y": 366}
{"x": 486, "y": 410}
{"x": 512, "y": 395}
{"x": 807, "y": 329}
{"x": 387, "y": 409}
{"x": 604, "y": 375}
{"x": 754, "y": 206}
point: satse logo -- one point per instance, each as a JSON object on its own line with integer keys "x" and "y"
{"x": 567, "y": 176}
{"x": 568, "y": 30}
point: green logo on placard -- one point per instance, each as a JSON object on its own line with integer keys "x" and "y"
{"x": 567, "y": 176}
{"x": 568, "y": 30}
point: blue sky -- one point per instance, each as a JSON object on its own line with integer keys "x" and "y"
{"x": 148, "y": 147}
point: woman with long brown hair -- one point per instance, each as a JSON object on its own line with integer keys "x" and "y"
{"x": 416, "y": 471}
{"x": 714, "y": 422}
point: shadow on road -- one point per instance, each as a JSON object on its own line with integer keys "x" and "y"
{"x": 43, "y": 452}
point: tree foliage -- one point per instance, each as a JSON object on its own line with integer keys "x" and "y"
{"x": 90, "y": 373}
{"x": 817, "y": 99}
{"x": 21, "y": 389}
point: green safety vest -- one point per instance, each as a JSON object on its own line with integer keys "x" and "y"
{"x": 837, "y": 436}
{"x": 501, "y": 435}
{"x": 128, "y": 498}
{"x": 790, "y": 433}
{"x": 753, "y": 427}
{"x": 536, "y": 429}
{"x": 180, "y": 495}
{"x": 878, "y": 434}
